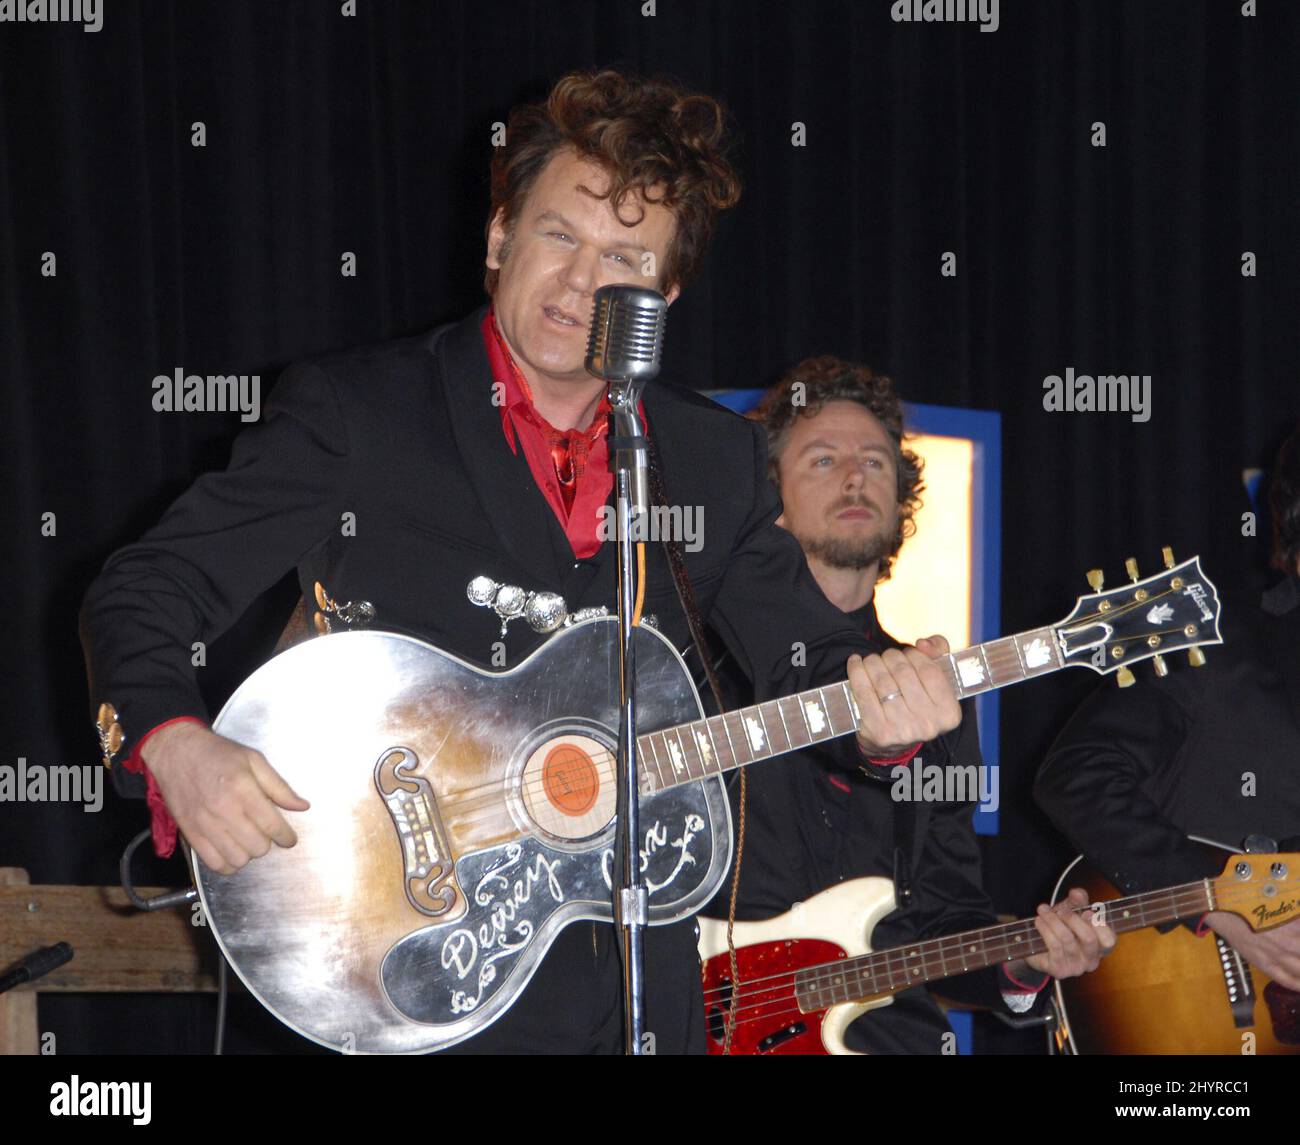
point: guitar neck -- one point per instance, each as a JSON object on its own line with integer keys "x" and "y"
{"x": 721, "y": 743}
{"x": 853, "y": 979}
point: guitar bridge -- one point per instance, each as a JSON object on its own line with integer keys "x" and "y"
{"x": 1239, "y": 985}
{"x": 429, "y": 867}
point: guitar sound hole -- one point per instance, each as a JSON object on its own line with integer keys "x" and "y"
{"x": 570, "y": 779}
{"x": 567, "y": 787}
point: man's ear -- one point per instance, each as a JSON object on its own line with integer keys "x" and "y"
{"x": 780, "y": 521}
{"x": 671, "y": 295}
{"x": 496, "y": 240}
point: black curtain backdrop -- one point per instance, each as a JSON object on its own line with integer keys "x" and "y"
{"x": 370, "y": 133}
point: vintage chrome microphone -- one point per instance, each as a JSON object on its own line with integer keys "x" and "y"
{"x": 627, "y": 333}
{"x": 623, "y": 350}
{"x": 627, "y": 338}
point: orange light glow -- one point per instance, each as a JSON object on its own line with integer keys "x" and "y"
{"x": 929, "y": 589}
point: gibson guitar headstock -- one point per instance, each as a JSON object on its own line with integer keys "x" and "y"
{"x": 1146, "y": 620}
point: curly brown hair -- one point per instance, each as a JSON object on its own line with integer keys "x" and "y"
{"x": 804, "y": 392}
{"x": 652, "y": 137}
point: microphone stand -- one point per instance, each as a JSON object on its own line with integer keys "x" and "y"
{"x": 627, "y": 460}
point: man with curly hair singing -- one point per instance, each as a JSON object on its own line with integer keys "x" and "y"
{"x": 480, "y": 451}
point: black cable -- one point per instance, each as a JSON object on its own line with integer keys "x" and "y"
{"x": 219, "y": 1041}
{"x": 124, "y": 871}
{"x": 36, "y": 965}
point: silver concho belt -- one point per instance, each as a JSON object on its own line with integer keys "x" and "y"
{"x": 544, "y": 611}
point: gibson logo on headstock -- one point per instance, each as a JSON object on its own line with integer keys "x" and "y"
{"x": 1197, "y": 592}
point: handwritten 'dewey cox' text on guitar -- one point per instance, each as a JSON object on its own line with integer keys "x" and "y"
{"x": 806, "y": 974}
{"x": 460, "y": 819}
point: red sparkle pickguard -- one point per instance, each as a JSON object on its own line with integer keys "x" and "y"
{"x": 768, "y": 1018}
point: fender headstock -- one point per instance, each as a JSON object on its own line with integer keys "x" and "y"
{"x": 1262, "y": 889}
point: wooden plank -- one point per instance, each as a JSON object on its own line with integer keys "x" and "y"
{"x": 118, "y": 948}
{"x": 18, "y": 1030}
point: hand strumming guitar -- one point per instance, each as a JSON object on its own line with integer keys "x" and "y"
{"x": 223, "y": 796}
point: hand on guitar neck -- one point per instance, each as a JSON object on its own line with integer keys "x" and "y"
{"x": 223, "y": 796}
{"x": 1075, "y": 943}
{"x": 1276, "y": 952}
{"x": 904, "y": 697}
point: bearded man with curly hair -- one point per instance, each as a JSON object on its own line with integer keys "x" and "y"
{"x": 850, "y": 489}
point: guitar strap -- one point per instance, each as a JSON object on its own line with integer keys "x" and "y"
{"x": 686, "y": 595}
{"x": 682, "y": 583}
{"x": 904, "y": 844}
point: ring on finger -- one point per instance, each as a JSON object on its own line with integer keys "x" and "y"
{"x": 890, "y": 696}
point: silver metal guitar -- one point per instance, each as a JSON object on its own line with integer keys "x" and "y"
{"x": 459, "y": 819}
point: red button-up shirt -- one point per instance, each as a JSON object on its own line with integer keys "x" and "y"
{"x": 545, "y": 448}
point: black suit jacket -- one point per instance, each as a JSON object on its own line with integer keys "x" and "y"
{"x": 384, "y": 473}
{"x": 1212, "y": 751}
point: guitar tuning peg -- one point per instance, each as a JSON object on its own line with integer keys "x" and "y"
{"x": 1195, "y": 657}
{"x": 1162, "y": 669}
{"x": 1168, "y": 555}
{"x": 1131, "y": 567}
{"x": 1096, "y": 578}
{"x": 1124, "y": 677}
